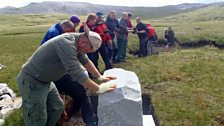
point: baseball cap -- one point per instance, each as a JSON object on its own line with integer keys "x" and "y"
{"x": 74, "y": 19}
{"x": 99, "y": 14}
{"x": 93, "y": 37}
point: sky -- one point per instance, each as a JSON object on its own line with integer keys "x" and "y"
{"x": 153, "y": 3}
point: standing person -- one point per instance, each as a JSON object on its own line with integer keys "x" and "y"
{"x": 130, "y": 26}
{"x": 57, "y": 29}
{"x": 142, "y": 35}
{"x": 66, "y": 85}
{"x": 169, "y": 35}
{"x": 122, "y": 38}
{"x": 75, "y": 20}
{"x": 91, "y": 21}
{"x": 102, "y": 30}
{"x": 112, "y": 25}
{"x": 64, "y": 54}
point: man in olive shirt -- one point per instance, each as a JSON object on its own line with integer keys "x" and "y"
{"x": 42, "y": 105}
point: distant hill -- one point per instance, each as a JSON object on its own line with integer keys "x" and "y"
{"x": 81, "y": 8}
{"x": 214, "y": 11}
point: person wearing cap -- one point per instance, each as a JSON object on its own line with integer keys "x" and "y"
{"x": 102, "y": 30}
{"x": 66, "y": 86}
{"x": 64, "y": 54}
{"x": 75, "y": 20}
{"x": 57, "y": 29}
{"x": 112, "y": 25}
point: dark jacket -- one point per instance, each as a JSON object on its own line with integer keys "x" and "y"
{"x": 122, "y": 32}
{"x": 112, "y": 25}
{"x": 169, "y": 35}
{"x": 141, "y": 27}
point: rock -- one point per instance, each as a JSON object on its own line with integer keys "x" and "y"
{"x": 1, "y": 115}
{"x": 1, "y": 122}
{"x": 2, "y": 66}
{"x": 123, "y": 106}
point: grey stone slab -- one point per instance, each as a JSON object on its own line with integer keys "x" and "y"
{"x": 123, "y": 106}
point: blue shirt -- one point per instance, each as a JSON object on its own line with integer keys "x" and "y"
{"x": 52, "y": 32}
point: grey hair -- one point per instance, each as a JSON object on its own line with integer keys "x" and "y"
{"x": 112, "y": 11}
{"x": 124, "y": 14}
{"x": 138, "y": 18}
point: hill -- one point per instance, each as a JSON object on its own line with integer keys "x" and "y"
{"x": 213, "y": 11}
{"x": 81, "y": 8}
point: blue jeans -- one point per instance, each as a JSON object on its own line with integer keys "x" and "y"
{"x": 78, "y": 93}
{"x": 94, "y": 57}
{"x": 121, "y": 48}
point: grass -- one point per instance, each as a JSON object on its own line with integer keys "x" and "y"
{"x": 186, "y": 85}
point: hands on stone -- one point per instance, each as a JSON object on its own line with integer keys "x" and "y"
{"x": 106, "y": 87}
{"x": 106, "y": 78}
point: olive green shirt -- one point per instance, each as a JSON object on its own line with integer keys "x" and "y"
{"x": 57, "y": 57}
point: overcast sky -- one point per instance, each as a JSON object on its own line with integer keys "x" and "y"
{"x": 150, "y": 3}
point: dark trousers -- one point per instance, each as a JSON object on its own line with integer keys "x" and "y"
{"x": 112, "y": 51}
{"x": 78, "y": 93}
{"x": 143, "y": 47}
{"x": 94, "y": 57}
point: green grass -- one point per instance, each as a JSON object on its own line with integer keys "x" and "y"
{"x": 209, "y": 19}
{"x": 186, "y": 85}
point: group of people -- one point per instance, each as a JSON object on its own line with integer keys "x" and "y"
{"x": 67, "y": 59}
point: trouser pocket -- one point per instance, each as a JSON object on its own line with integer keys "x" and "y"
{"x": 34, "y": 114}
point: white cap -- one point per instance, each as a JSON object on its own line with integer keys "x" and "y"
{"x": 93, "y": 37}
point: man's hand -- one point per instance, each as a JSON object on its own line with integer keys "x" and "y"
{"x": 106, "y": 78}
{"x": 106, "y": 87}
{"x": 110, "y": 42}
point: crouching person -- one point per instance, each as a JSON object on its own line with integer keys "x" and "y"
{"x": 42, "y": 105}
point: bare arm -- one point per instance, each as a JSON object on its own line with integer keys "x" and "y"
{"x": 92, "y": 69}
{"x": 91, "y": 85}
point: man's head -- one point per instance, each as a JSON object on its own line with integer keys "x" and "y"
{"x": 75, "y": 20}
{"x": 130, "y": 15}
{"x": 100, "y": 16}
{"x": 67, "y": 26}
{"x": 112, "y": 14}
{"x": 124, "y": 15}
{"x": 91, "y": 19}
{"x": 138, "y": 20}
{"x": 89, "y": 41}
{"x": 169, "y": 28}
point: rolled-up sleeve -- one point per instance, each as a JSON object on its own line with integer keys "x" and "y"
{"x": 83, "y": 58}
{"x": 68, "y": 55}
